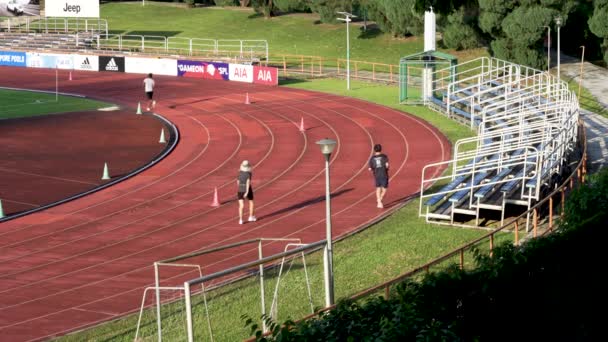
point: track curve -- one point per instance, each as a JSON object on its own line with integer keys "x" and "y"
{"x": 87, "y": 261}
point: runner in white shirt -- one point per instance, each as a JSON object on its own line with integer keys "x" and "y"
{"x": 149, "y": 88}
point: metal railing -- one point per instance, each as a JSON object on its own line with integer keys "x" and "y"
{"x": 36, "y": 24}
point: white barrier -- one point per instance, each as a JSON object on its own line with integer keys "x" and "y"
{"x": 158, "y": 66}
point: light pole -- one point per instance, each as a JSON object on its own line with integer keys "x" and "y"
{"x": 548, "y": 48}
{"x": 327, "y": 147}
{"x": 558, "y": 22}
{"x": 347, "y": 19}
{"x": 580, "y": 80}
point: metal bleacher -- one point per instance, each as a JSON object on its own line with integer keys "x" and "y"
{"x": 526, "y": 122}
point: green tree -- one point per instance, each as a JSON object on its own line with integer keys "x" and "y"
{"x": 598, "y": 23}
{"x": 398, "y": 17}
{"x": 459, "y": 33}
{"x": 327, "y": 8}
{"x": 291, "y": 5}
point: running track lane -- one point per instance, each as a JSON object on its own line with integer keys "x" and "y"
{"x": 87, "y": 261}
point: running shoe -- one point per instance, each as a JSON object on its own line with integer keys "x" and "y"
{"x": 252, "y": 219}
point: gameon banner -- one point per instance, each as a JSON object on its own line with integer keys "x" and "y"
{"x": 199, "y": 69}
{"x": 241, "y": 73}
{"x": 265, "y": 75}
{"x": 72, "y": 8}
{"x": 111, "y": 63}
{"x": 86, "y": 62}
{"x": 157, "y": 66}
{"x": 12, "y": 58}
{"x": 48, "y": 60}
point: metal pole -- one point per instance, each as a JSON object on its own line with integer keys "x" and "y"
{"x": 559, "y": 23}
{"x": 347, "y": 55}
{"x": 158, "y": 320}
{"x": 548, "y": 48}
{"x": 580, "y": 80}
{"x": 188, "y": 311}
{"x": 262, "y": 295}
{"x": 328, "y": 255}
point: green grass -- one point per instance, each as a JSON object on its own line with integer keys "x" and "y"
{"x": 399, "y": 243}
{"x": 295, "y": 34}
{"x": 15, "y": 104}
{"x": 587, "y": 100}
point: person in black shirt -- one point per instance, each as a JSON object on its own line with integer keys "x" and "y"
{"x": 378, "y": 164}
{"x": 245, "y": 191}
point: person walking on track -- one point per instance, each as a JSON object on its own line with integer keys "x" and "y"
{"x": 378, "y": 164}
{"x": 245, "y": 190}
{"x": 149, "y": 89}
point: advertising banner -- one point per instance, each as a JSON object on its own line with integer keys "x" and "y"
{"x": 111, "y": 63}
{"x": 40, "y": 60}
{"x": 11, "y": 58}
{"x": 86, "y": 62}
{"x": 157, "y": 66}
{"x": 207, "y": 70}
{"x": 72, "y": 8}
{"x": 63, "y": 61}
{"x": 265, "y": 75}
{"x": 241, "y": 73}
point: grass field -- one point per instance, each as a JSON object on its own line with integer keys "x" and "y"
{"x": 14, "y": 104}
{"x": 387, "y": 249}
{"x": 296, "y": 34}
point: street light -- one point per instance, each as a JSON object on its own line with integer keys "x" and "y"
{"x": 327, "y": 147}
{"x": 548, "y": 48}
{"x": 347, "y": 19}
{"x": 558, "y": 22}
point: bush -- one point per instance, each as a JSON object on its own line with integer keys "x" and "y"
{"x": 225, "y": 3}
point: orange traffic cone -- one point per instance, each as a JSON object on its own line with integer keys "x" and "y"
{"x": 302, "y": 129}
{"x": 247, "y": 99}
{"x": 70, "y": 75}
{"x": 216, "y": 201}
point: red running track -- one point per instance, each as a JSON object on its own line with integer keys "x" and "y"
{"x": 87, "y": 261}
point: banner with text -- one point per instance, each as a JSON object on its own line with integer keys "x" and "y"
{"x": 48, "y": 60}
{"x": 241, "y": 73}
{"x": 158, "y": 66}
{"x": 265, "y": 75}
{"x": 72, "y": 8}
{"x": 12, "y": 58}
{"x": 86, "y": 62}
{"x": 199, "y": 69}
{"x": 111, "y": 63}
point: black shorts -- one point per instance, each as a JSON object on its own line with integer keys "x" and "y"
{"x": 381, "y": 182}
{"x": 149, "y": 95}
{"x": 241, "y": 195}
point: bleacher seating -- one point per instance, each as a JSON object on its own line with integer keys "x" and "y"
{"x": 526, "y": 121}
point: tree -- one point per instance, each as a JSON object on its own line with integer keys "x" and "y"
{"x": 459, "y": 34}
{"x": 598, "y": 23}
{"x": 327, "y": 8}
{"x": 398, "y": 17}
{"x": 263, "y": 6}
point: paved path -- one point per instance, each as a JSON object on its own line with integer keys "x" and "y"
{"x": 595, "y": 79}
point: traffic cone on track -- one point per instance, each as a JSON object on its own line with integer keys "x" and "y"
{"x": 247, "y": 98}
{"x": 138, "y": 108}
{"x": 1, "y": 210}
{"x": 216, "y": 201}
{"x": 302, "y": 129}
{"x": 106, "y": 173}
{"x": 70, "y": 76}
{"x": 162, "y": 136}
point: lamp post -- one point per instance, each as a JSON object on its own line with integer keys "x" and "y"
{"x": 327, "y": 147}
{"x": 558, "y": 22}
{"x": 347, "y": 19}
{"x": 580, "y": 80}
{"x": 548, "y": 48}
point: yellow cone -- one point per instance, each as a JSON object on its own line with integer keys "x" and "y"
{"x": 1, "y": 210}
{"x": 106, "y": 174}
{"x": 162, "y": 136}
{"x": 138, "y": 108}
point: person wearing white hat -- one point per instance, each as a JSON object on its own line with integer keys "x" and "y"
{"x": 245, "y": 190}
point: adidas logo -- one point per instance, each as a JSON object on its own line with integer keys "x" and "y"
{"x": 111, "y": 66}
{"x": 86, "y": 64}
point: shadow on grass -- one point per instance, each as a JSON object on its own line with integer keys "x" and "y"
{"x": 304, "y": 204}
{"x": 154, "y": 33}
{"x": 371, "y": 32}
{"x": 288, "y": 81}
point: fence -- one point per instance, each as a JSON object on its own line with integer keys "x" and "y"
{"x": 50, "y": 25}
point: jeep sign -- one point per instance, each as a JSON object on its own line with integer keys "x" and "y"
{"x": 72, "y": 8}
